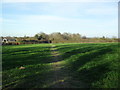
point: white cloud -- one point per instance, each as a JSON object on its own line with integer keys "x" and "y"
{"x": 31, "y": 24}
{"x": 46, "y": 18}
{"x": 1, "y": 20}
{"x": 9, "y": 20}
{"x": 102, "y": 11}
{"x": 6, "y": 1}
{"x": 38, "y": 18}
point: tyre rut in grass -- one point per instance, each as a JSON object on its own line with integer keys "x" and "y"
{"x": 60, "y": 76}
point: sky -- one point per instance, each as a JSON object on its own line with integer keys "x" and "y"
{"x": 91, "y": 18}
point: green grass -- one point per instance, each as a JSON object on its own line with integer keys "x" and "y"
{"x": 35, "y": 59}
{"x": 96, "y": 64}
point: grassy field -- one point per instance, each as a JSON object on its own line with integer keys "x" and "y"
{"x": 95, "y": 64}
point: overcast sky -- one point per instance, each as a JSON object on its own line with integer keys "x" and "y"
{"x": 91, "y": 18}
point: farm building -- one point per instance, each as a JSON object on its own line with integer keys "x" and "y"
{"x": 6, "y": 40}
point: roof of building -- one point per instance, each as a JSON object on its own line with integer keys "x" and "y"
{"x": 9, "y": 38}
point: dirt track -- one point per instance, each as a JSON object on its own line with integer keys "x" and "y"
{"x": 60, "y": 76}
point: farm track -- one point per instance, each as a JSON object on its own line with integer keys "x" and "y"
{"x": 60, "y": 76}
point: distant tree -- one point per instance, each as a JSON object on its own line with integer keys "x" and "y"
{"x": 66, "y": 36}
{"x": 84, "y": 37}
{"x": 56, "y": 35}
{"x": 41, "y": 36}
{"x": 103, "y": 37}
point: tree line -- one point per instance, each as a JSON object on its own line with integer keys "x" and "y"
{"x": 58, "y": 37}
